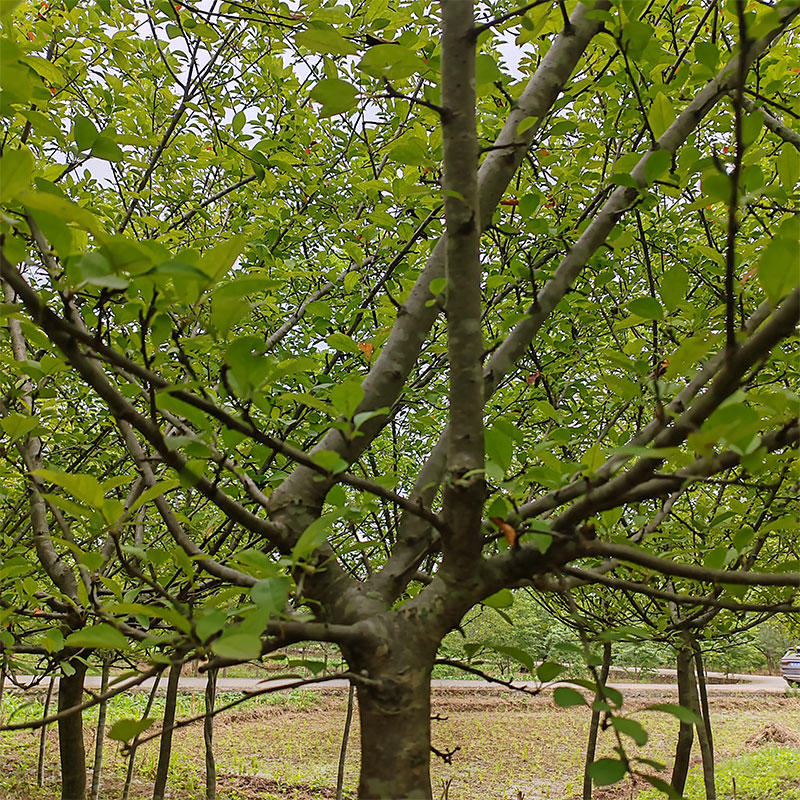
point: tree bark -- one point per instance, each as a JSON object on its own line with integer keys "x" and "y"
{"x": 70, "y": 733}
{"x": 395, "y": 740}
{"x": 2, "y": 683}
{"x": 704, "y": 729}
{"x": 208, "y": 735}
{"x": 683, "y": 749}
{"x": 43, "y": 733}
{"x": 345, "y": 736}
{"x": 394, "y": 712}
{"x": 97, "y": 768}
{"x": 165, "y": 746}
{"x": 594, "y": 725}
{"x": 135, "y": 743}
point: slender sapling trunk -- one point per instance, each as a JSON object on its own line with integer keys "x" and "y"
{"x": 165, "y": 746}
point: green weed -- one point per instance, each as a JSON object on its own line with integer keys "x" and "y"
{"x": 770, "y": 773}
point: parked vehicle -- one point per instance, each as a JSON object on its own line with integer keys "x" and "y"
{"x": 790, "y": 666}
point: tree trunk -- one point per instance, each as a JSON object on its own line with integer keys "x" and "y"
{"x": 208, "y": 734}
{"x": 70, "y": 733}
{"x": 2, "y": 683}
{"x": 135, "y": 743}
{"x": 165, "y": 746}
{"x": 345, "y": 736}
{"x": 683, "y": 749}
{"x": 43, "y": 733}
{"x": 97, "y": 769}
{"x": 594, "y": 725}
{"x": 394, "y": 709}
{"x": 704, "y": 728}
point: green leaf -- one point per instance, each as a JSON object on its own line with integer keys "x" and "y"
{"x": 751, "y": 127}
{"x": 526, "y": 124}
{"x": 566, "y": 697}
{"x": 410, "y": 150}
{"x": 635, "y": 36}
{"x": 663, "y": 786}
{"x": 661, "y": 114}
{"x": 84, "y": 488}
{"x": 502, "y": 599}
{"x": 336, "y": 96}
{"x": 630, "y": 727}
{"x": 499, "y": 448}
{"x": 674, "y": 286}
{"x": 716, "y": 187}
{"x": 238, "y": 646}
{"x": 775, "y": 275}
{"x": 61, "y": 208}
{"x": 646, "y": 307}
{"x": 101, "y": 636}
{"x": 341, "y": 341}
{"x": 788, "y": 163}
{"x": 707, "y": 54}
{"x": 346, "y": 397}
{"x": 270, "y": 595}
{"x": 391, "y": 61}
{"x": 606, "y": 771}
{"x": 7, "y": 6}
{"x": 84, "y": 132}
{"x": 314, "y": 535}
{"x": 170, "y": 615}
{"x": 325, "y": 40}
{"x": 548, "y": 670}
{"x": 125, "y": 730}
{"x": 16, "y": 172}
{"x": 658, "y": 162}
{"x": 106, "y": 148}
{"x": 18, "y": 426}
{"x": 518, "y": 654}
{"x": 329, "y": 460}
{"x": 715, "y": 559}
{"x": 210, "y": 623}
{"x": 153, "y": 492}
{"x": 215, "y": 262}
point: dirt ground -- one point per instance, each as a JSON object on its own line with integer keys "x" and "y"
{"x": 509, "y": 746}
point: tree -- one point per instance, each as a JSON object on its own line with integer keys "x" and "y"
{"x": 329, "y": 324}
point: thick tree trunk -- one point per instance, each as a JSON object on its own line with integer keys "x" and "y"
{"x": 683, "y": 749}
{"x": 70, "y": 733}
{"x": 165, "y": 745}
{"x": 394, "y": 708}
{"x": 594, "y": 725}
{"x": 395, "y": 741}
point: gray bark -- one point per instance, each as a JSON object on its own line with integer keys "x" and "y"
{"x": 165, "y": 743}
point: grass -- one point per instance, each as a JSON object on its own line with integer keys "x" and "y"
{"x": 769, "y": 773}
{"x": 285, "y": 746}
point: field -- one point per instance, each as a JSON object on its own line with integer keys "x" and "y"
{"x": 285, "y": 747}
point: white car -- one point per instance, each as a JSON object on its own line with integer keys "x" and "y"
{"x": 790, "y": 666}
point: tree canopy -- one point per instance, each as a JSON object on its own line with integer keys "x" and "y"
{"x": 330, "y": 320}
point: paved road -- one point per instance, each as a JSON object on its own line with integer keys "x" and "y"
{"x": 746, "y": 684}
